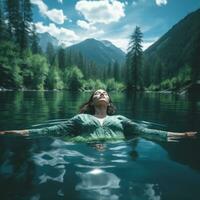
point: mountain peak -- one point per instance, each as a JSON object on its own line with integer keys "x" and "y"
{"x": 101, "y": 52}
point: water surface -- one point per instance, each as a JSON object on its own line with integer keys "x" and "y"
{"x": 53, "y": 168}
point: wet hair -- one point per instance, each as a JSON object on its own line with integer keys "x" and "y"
{"x": 88, "y": 107}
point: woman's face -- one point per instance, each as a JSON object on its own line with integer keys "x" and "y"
{"x": 101, "y": 97}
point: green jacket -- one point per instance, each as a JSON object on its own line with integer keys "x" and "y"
{"x": 113, "y": 127}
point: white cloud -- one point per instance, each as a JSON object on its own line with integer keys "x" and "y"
{"x": 60, "y": 1}
{"x": 85, "y": 25}
{"x": 120, "y": 43}
{"x": 161, "y": 2}
{"x": 54, "y": 15}
{"x": 148, "y": 42}
{"x": 104, "y": 11}
{"x": 63, "y": 35}
{"x": 123, "y": 43}
{"x": 146, "y": 45}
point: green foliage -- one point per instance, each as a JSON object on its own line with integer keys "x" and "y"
{"x": 10, "y": 73}
{"x": 50, "y": 53}
{"x": 19, "y": 17}
{"x": 166, "y": 84}
{"x": 91, "y": 85}
{"x": 175, "y": 83}
{"x": 35, "y": 72}
{"x": 16, "y": 77}
{"x": 116, "y": 69}
{"x": 175, "y": 54}
{"x": 184, "y": 75}
{"x": 8, "y": 53}
{"x": 153, "y": 87}
{"x": 21, "y": 66}
{"x": 40, "y": 70}
{"x": 35, "y": 42}
{"x": 61, "y": 58}
{"x": 112, "y": 85}
{"x": 54, "y": 79}
{"x": 72, "y": 78}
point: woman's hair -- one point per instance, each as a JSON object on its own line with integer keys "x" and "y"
{"x": 88, "y": 107}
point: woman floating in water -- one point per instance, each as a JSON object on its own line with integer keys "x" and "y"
{"x": 97, "y": 120}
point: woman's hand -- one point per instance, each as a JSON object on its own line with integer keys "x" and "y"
{"x": 173, "y": 137}
{"x": 15, "y": 132}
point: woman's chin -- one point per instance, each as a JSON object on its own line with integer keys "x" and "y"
{"x": 102, "y": 102}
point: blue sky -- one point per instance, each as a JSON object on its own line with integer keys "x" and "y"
{"x": 72, "y": 21}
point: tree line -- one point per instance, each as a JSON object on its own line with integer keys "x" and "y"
{"x": 23, "y": 64}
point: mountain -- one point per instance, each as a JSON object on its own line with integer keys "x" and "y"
{"x": 176, "y": 49}
{"x": 45, "y": 38}
{"x": 101, "y": 52}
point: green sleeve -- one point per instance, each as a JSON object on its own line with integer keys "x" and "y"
{"x": 64, "y": 128}
{"x": 151, "y": 134}
{"x": 138, "y": 129}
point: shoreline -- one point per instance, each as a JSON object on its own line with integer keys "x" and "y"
{"x": 55, "y": 90}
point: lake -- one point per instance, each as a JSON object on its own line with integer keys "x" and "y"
{"x": 53, "y": 168}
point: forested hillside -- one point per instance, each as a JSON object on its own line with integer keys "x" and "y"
{"x": 173, "y": 61}
{"x": 100, "y": 52}
{"x": 24, "y": 65}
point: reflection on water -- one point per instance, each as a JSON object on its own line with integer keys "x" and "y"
{"x": 54, "y": 168}
{"x": 47, "y": 167}
{"x": 98, "y": 184}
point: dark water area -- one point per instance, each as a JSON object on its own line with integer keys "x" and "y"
{"x": 53, "y": 168}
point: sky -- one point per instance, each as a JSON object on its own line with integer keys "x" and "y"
{"x": 71, "y": 21}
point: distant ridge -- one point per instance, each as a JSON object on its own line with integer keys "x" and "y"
{"x": 101, "y": 52}
{"x": 180, "y": 46}
{"x": 45, "y": 38}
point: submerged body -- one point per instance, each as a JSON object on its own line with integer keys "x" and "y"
{"x": 116, "y": 126}
{"x": 97, "y": 120}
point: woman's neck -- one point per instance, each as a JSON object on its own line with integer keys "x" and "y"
{"x": 100, "y": 112}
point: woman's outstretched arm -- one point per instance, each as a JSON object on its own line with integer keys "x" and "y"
{"x": 154, "y": 134}
{"x": 64, "y": 128}
{"x": 16, "y": 132}
{"x": 174, "y": 136}
{"x": 163, "y": 135}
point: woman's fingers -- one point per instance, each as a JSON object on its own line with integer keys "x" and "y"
{"x": 190, "y": 134}
{"x": 16, "y": 132}
{"x": 172, "y": 140}
{"x": 176, "y": 136}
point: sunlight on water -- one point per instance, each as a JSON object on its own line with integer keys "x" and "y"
{"x": 96, "y": 171}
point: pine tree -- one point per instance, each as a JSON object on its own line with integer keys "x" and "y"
{"x": 61, "y": 58}
{"x": 35, "y": 42}
{"x": 3, "y": 27}
{"x": 19, "y": 17}
{"x": 26, "y": 19}
{"x": 69, "y": 58}
{"x": 116, "y": 71}
{"x": 80, "y": 62}
{"x": 14, "y": 19}
{"x": 109, "y": 70}
{"x": 134, "y": 57}
{"x": 50, "y": 53}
